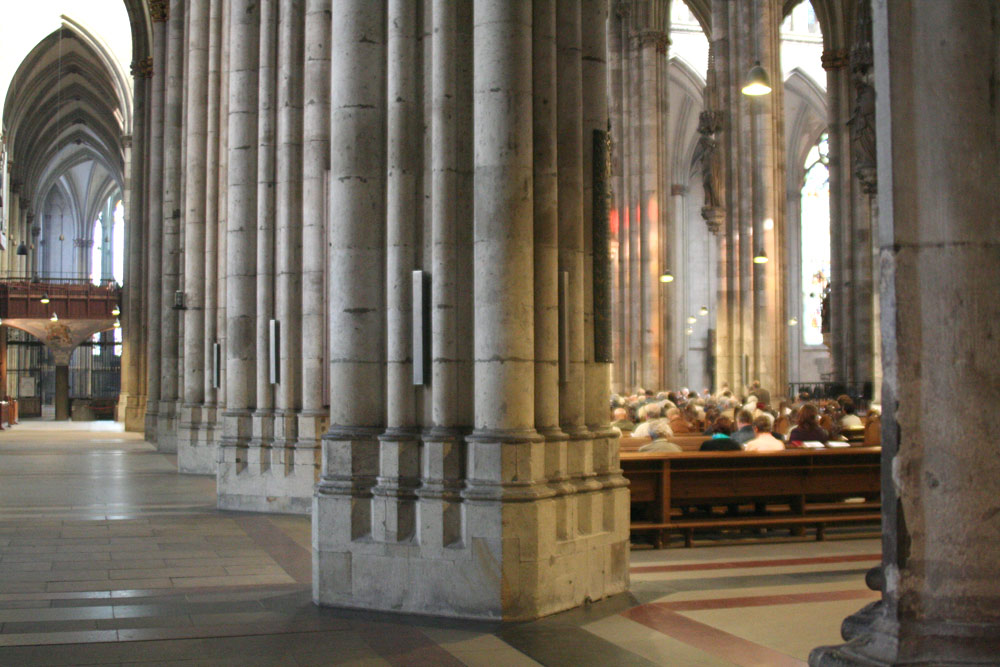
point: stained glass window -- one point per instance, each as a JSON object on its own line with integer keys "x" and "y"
{"x": 815, "y": 240}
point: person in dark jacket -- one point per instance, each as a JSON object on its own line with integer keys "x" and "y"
{"x": 744, "y": 427}
{"x": 720, "y": 440}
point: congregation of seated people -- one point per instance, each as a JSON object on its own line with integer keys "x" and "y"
{"x": 747, "y": 423}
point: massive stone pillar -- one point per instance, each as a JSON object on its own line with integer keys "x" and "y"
{"x": 167, "y": 410}
{"x": 342, "y": 508}
{"x": 193, "y": 453}
{"x": 130, "y": 404}
{"x": 241, "y": 252}
{"x": 939, "y": 179}
{"x": 315, "y": 173}
{"x": 751, "y": 338}
{"x": 154, "y": 239}
{"x": 639, "y": 40}
{"x": 488, "y": 539}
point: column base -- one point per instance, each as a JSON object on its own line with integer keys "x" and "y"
{"x": 132, "y": 412}
{"x": 503, "y": 562}
{"x": 166, "y": 426}
{"x": 150, "y": 419}
{"x": 885, "y": 642}
{"x": 257, "y": 473}
{"x": 196, "y": 448}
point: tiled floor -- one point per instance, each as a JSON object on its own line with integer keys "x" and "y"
{"x": 108, "y": 556}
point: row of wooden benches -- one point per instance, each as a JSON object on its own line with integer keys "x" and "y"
{"x": 684, "y": 492}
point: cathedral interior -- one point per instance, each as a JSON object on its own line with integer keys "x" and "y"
{"x": 313, "y": 311}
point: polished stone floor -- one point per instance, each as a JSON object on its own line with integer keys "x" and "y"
{"x": 108, "y": 556}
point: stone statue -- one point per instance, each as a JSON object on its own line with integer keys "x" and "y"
{"x": 708, "y": 155}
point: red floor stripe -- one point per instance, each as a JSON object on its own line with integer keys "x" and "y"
{"x": 711, "y": 640}
{"x": 780, "y": 562}
{"x": 765, "y": 600}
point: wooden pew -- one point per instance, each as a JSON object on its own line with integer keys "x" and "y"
{"x": 791, "y": 488}
{"x": 688, "y": 443}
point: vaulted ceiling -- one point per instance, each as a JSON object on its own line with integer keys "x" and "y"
{"x": 67, "y": 108}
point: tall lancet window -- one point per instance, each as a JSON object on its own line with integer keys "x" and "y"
{"x": 815, "y": 240}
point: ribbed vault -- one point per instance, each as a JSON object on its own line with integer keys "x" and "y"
{"x": 67, "y": 110}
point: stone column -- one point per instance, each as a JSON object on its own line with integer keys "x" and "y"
{"x": 315, "y": 172}
{"x": 493, "y": 550}
{"x": 130, "y": 408}
{"x": 639, "y": 33}
{"x": 394, "y": 518}
{"x": 444, "y": 449}
{"x": 166, "y": 425}
{"x": 342, "y": 507}
{"x": 569, "y": 122}
{"x": 213, "y": 213}
{"x": 222, "y": 271}
{"x": 545, "y": 204}
{"x": 241, "y": 249}
{"x": 751, "y": 338}
{"x": 259, "y": 459}
{"x": 192, "y": 453}
{"x": 292, "y": 479}
{"x": 154, "y": 269}
{"x": 939, "y": 179}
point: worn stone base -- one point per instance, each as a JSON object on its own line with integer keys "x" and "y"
{"x": 150, "y": 419}
{"x": 285, "y": 486}
{"x": 885, "y": 643}
{"x": 132, "y": 412}
{"x": 196, "y": 446}
{"x": 493, "y": 552}
{"x": 256, "y": 478}
{"x": 167, "y": 424}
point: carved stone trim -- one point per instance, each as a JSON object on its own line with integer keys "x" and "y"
{"x": 660, "y": 39}
{"x": 142, "y": 68}
{"x": 83, "y": 243}
{"x": 159, "y": 11}
{"x": 837, "y": 59}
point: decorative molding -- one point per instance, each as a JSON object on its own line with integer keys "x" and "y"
{"x": 836, "y": 59}
{"x": 715, "y": 218}
{"x": 142, "y": 68}
{"x": 657, "y": 37}
{"x": 159, "y": 11}
{"x": 83, "y": 243}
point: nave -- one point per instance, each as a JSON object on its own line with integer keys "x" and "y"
{"x": 109, "y": 556}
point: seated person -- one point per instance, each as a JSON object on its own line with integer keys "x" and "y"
{"x": 850, "y": 419}
{"x": 873, "y": 429}
{"x": 652, "y": 415}
{"x": 659, "y": 432}
{"x": 677, "y": 422}
{"x": 622, "y": 422}
{"x": 720, "y": 440}
{"x": 807, "y": 428}
{"x": 744, "y": 427}
{"x": 763, "y": 440}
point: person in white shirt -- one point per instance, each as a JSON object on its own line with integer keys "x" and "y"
{"x": 763, "y": 440}
{"x": 850, "y": 420}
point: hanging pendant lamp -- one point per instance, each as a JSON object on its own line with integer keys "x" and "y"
{"x": 757, "y": 81}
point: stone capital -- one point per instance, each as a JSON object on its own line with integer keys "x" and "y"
{"x": 159, "y": 11}
{"x": 834, "y": 59}
{"x": 83, "y": 243}
{"x": 142, "y": 68}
